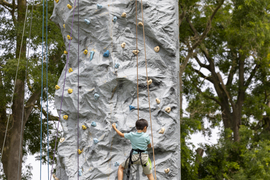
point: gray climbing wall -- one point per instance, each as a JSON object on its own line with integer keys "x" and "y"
{"x": 117, "y": 87}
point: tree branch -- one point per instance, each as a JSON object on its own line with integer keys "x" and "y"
{"x": 201, "y": 64}
{"x": 182, "y": 15}
{"x": 51, "y": 117}
{"x": 232, "y": 72}
{"x": 6, "y": 4}
{"x": 252, "y": 74}
{"x": 207, "y": 96}
{"x": 30, "y": 104}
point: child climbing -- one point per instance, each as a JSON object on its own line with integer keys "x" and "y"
{"x": 140, "y": 141}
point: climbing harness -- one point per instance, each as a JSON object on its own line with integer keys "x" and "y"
{"x": 131, "y": 162}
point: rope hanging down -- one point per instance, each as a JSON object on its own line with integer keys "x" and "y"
{"x": 12, "y": 97}
{"x": 148, "y": 91}
{"x": 63, "y": 90}
{"x": 20, "y": 151}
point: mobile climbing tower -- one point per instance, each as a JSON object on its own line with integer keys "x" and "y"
{"x": 122, "y": 64}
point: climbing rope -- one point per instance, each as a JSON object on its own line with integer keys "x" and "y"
{"x": 78, "y": 118}
{"x": 148, "y": 92}
{"x": 19, "y": 164}
{"x": 138, "y": 107}
{"x": 63, "y": 89}
{"x": 16, "y": 76}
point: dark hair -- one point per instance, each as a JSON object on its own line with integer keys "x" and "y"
{"x": 141, "y": 123}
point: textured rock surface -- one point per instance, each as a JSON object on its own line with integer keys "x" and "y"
{"x": 117, "y": 90}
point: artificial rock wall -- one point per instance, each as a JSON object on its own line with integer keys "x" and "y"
{"x": 108, "y": 85}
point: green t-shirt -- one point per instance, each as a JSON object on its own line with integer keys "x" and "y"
{"x": 138, "y": 140}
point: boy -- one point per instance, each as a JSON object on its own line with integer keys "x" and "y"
{"x": 138, "y": 155}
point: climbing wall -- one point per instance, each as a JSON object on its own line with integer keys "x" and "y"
{"x": 108, "y": 85}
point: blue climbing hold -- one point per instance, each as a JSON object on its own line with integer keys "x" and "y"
{"x": 99, "y": 6}
{"x": 96, "y": 96}
{"x": 107, "y": 53}
{"x": 131, "y": 107}
{"x": 92, "y": 55}
{"x": 116, "y": 65}
{"x": 96, "y": 140}
{"x": 80, "y": 172}
{"x": 94, "y": 124}
{"x": 116, "y": 164}
{"x": 114, "y": 19}
{"x": 87, "y": 21}
{"x": 116, "y": 125}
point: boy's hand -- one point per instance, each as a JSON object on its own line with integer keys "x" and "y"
{"x": 114, "y": 126}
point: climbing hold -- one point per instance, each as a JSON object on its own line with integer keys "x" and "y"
{"x": 123, "y": 45}
{"x": 80, "y": 172}
{"x": 92, "y": 55}
{"x": 149, "y": 82}
{"x": 65, "y": 117}
{"x": 92, "y": 89}
{"x": 167, "y": 170}
{"x": 70, "y": 91}
{"x": 157, "y": 100}
{"x": 80, "y": 151}
{"x": 65, "y": 52}
{"x": 57, "y": 87}
{"x": 157, "y": 49}
{"x": 69, "y": 38}
{"x": 136, "y": 52}
{"x": 99, "y": 6}
{"x": 84, "y": 127}
{"x": 140, "y": 24}
{"x": 168, "y": 109}
{"x": 114, "y": 19}
{"x": 62, "y": 140}
{"x": 162, "y": 130}
{"x": 117, "y": 65}
{"x": 96, "y": 96}
{"x": 96, "y": 140}
{"x": 87, "y": 21}
{"x": 56, "y": 1}
{"x": 85, "y": 52}
{"x": 94, "y": 124}
{"x": 54, "y": 177}
{"x": 107, "y": 53}
{"x": 116, "y": 164}
{"x": 69, "y": 6}
{"x": 64, "y": 26}
{"x": 124, "y": 15}
{"x": 131, "y": 107}
{"x": 70, "y": 70}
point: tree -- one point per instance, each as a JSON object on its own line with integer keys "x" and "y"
{"x": 12, "y": 20}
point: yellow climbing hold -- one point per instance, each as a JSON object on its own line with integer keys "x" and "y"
{"x": 157, "y": 100}
{"x": 123, "y": 45}
{"x": 168, "y": 109}
{"x": 85, "y": 52}
{"x": 149, "y": 82}
{"x": 57, "y": 87}
{"x": 62, "y": 140}
{"x": 70, "y": 70}
{"x": 84, "y": 127}
{"x": 54, "y": 177}
{"x": 69, "y": 6}
{"x": 167, "y": 170}
{"x": 65, "y": 117}
{"x": 69, "y": 37}
{"x": 124, "y": 15}
{"x": 65, "y": 52}
{"x": 79, "y": 151}
{"x": 136, "y": 52}
{"x": 140, "y": 24}
{"x": 157, "y": 49}
{"x": 70, "y": 91}
{"x": 162, "y": 131}
{"x": 64, "y": 26}
{"x": 56, "y": 1}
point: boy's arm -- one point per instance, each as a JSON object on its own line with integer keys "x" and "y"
{"x": 149, "y": 145}
{"x": 117, "y": 131}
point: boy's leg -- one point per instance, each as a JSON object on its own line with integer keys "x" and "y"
{"x": 150, "y": 176}
{"x": 120, "y": 172}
